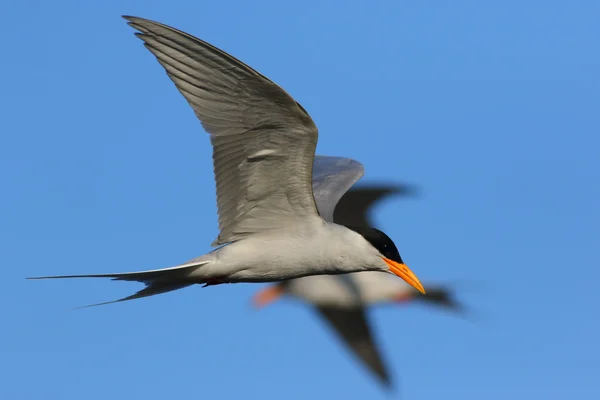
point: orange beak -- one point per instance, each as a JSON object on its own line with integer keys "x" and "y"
{"x": 268, "y": 295}
{"x": 405, "y": 273}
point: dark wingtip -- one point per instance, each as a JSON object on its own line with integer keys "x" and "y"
{"x": 384, "y": 378}
{"x": 388, "y": 385}
{"x": 408, "y": 190}
{"x": 384, "y": 189}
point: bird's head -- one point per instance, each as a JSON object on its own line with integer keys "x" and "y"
{"x": 388, "y": 252}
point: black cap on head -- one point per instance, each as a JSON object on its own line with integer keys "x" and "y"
{"x": 380, "y": 241}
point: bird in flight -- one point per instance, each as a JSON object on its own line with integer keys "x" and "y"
{"x": 264, "y": 142}
{"x": 342, "y": 300}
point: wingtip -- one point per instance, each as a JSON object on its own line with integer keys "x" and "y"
{"x": 132, "y": 21}
{"x": 402, "y": 189}
{"x": 410, "y": 190}
{"x": 387, "y": 384}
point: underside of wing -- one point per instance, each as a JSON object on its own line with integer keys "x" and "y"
{"x": 353, "y": 328}
{"x": 332, "y": 177}
{"x": 263, "y": 140}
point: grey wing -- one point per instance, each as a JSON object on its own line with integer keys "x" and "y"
{"x": 354, "y": 208}
{"x": 352, "y": 326}
{"x": 332, "y": 177}
{"x": 263, "y": 140}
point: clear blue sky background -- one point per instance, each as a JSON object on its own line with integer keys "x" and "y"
{"x": 492, "y": 107}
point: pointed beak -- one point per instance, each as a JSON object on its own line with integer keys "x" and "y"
{"x": 405, "y": 273}
{"x": 267, "y": 296}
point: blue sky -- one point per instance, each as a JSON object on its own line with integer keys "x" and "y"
{"x": 491, "y": 107}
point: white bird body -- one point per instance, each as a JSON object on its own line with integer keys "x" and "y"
{"x": 361, "y": 289}
{"x": 301, "y": 250}
{"x": 332, "y": 291}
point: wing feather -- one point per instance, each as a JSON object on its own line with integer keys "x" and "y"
{"x": 332, "y": 177}
{"x": 263, "y": 140}
{"x": 353, "y": 328}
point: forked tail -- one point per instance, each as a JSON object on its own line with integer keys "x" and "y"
{"x": 157, "y": 281}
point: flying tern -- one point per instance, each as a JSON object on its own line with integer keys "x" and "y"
{"x": 342, "y": 300}
{"x": 264, "y": 142}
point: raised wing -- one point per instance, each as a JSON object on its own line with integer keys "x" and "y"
{"x": 332, "y": 177}
{"x": 263, "y": 140}
{"x": 354, "y": 208}
{"x": 353, "y": 328}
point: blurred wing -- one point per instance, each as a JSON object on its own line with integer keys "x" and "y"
{"x": 263, "y": 140}
{"x": 352, "y": 326}
{"x": 332, "y": 177}
{"x": 441, "y": 296}
{"x": 353, "y": 209}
